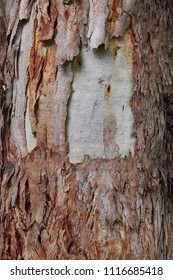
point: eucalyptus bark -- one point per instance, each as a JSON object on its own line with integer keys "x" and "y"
{"x": 86, "y": 114}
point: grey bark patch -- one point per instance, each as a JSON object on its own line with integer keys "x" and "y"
{"x": 102, "y": 90}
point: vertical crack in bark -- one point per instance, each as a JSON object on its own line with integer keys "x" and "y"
{"x": 27, "y": 197}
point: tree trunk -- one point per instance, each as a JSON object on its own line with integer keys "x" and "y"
{"x": 86, "y": 129}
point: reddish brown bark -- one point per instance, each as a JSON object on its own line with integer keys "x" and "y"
{"x": 117, "y": 207}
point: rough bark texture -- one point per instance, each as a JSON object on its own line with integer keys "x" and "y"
{"x": 86, "y": 129}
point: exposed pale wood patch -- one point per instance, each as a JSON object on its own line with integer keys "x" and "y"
{"x": 102, "y": 90}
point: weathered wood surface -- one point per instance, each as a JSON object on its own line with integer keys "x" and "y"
{"x": 86, "y": 129}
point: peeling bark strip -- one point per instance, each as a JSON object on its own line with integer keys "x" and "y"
{"x": 86, "y": 129}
